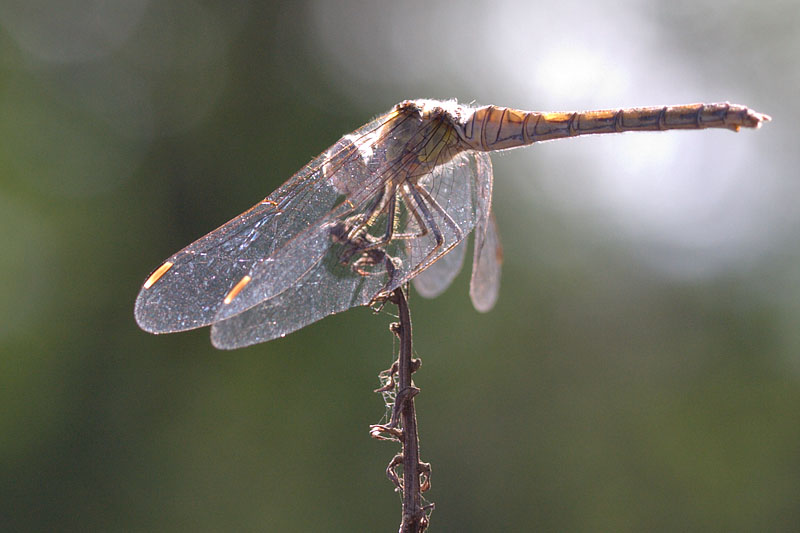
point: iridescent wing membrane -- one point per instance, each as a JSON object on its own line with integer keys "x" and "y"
{"x": 279, "y": 266}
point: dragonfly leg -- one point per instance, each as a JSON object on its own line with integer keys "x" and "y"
{"x": 423, "y": 228}
{"x": 370, "y": 250}
{"x": 391, "y": 214}
{"x": 427, "y": 205}
{"x": 390, "y": 206}
{"x": 360, "y": 242}
{"x": 357, "y": 222}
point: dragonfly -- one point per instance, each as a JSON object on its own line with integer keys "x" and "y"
{"x": 388, "y": 204}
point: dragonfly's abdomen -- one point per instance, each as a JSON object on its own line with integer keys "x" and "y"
{"x": 498, "y": 128}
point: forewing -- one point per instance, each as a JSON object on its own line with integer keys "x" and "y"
{"x": 353, "y": 172}
{"x": 189, "y": 289}
{"x": 189, "y": 293}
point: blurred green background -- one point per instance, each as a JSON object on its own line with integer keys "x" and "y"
{"x": 640, "y": 371}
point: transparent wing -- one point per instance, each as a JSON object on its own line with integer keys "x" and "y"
{"x": 189, "y": 293}
{"x": 487, "y": 254}
{"x": 329, "y": 286}
{"x": 188, "y": 290}
{"x": 484, "y": 285}
{"x": 433, "y": 281}
{"x": 456, "y": 196}
{"x": 326, "y": 289}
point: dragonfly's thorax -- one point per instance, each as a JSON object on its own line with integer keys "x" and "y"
{"x": 484, "y": 128}
{"x": 408, "y": 142}
{"x": 421, "y": 134}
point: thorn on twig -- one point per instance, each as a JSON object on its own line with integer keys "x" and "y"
{"x": 380, "y": 432}
{"x": 388, "y": 375}
{"x": 391, "y": 473}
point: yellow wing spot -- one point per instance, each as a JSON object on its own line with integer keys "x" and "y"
{"x": 236, "y": 289}
{"x": 155, "y": 276}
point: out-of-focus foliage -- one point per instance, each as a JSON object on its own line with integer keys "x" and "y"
{"x": 640, "y": 371}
